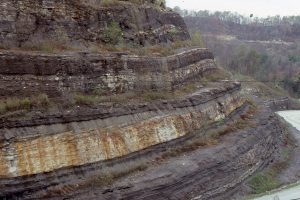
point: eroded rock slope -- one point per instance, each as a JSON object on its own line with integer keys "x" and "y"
{"x": 54, "y": 152}
{"x": 78, "y": 21}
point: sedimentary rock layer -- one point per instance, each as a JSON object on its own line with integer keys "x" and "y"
{"x": 34, "y": 157}
{"x": 27, "y": 74}
{"x": 82, "y": 21}
{"x": 205, "y": 174}
{"x": 39, "y": 149}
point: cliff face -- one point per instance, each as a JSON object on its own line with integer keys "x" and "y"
{"x": 31, "y": 150}
{"x": 61, "y": 145}
{"x": 45, "y": 150}
{"x": 76, "y": 21}
{"x": 57, "y": 75}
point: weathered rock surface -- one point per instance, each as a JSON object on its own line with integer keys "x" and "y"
{"x": 61, "y": 150}
{"x": 201, "y": 175}
{"x": 27, "y": 74}
{"x": 30, "y": 151}
{"x": 85, "y": 21}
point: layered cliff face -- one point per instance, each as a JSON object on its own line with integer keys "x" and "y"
{"x": 55, "y": 151}
{"x": 57, "y": 75}
{"x": 82, "y": 22}
{"x": 46, "y": 144}
{"x": 39, "y": 149}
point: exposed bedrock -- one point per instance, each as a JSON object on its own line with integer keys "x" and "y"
{"x": 86, "y": 21}
{"x": 34, "y": 150}
{"x": 28, "y": 74}
{"x": 204, "y": 174}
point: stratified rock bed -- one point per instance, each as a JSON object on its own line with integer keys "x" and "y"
{"x": 49, "y": 155}
{"x": 34, "y": 73}
{"x": 78, "y": 21}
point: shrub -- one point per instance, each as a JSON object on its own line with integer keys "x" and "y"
{"x": 26, "y": 104}
{"x": 197, "y": 39}
{"x": 113, "y": 33}
{"x": 161, "y": 3}
{"x": 43, "y": 100}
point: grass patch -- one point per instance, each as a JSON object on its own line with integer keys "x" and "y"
{"x": 15, "y": 104}
{"x": 219, "y": 74}
{"x": 262, "y": 90}
{"x": 268, "y": 180}
{"x": 110, "y": 174}
{"x": 85, "y": 99}
{"x": 156, "y": 95}
{"x": 107, "y": 3}
{"x": 47, "y": 46}
{"x": 264, "y": 182}
{"x": 115, "y": 43}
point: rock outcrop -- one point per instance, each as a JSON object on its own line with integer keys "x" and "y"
{"x": 46, "y": 151}
{"x": 32, "y": 151}
{"x": 78, "y": 21}
{"x": 29, "y": 73}
{"x": 205, "y": 174}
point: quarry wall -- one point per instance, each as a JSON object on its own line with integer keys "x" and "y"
{"x": 28, "y": 74}
{"x": 27, "y": 22}
{"x": 44, "y": 148}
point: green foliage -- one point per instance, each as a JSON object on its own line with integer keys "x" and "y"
{"x": 85, "y": 99}
{"x": 250, "y": 62}
{"x": 294, "y": 58}
{"x": 107, "y": 3}
{"x": 43, "y": 100}
{"x": 197, "y": 39}
{"x": 173, "y": 31}
{"x": 238, "y": 18}
{"x": 113, "y": 34}
{"x": 14, "y": 104}
{"x": 157, "y": 3}
{"x": 263, "y": 182}
{"x": 152, "y": 96}
{"x": 161, "y": 3}
{"x": 47, "y": 46}
{"x": 293, "y": 86}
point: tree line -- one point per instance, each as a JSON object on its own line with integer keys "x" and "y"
{"x": 238, "y": 18}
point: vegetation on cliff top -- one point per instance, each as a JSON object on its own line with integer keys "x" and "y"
{"x": 158, "y": 3}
